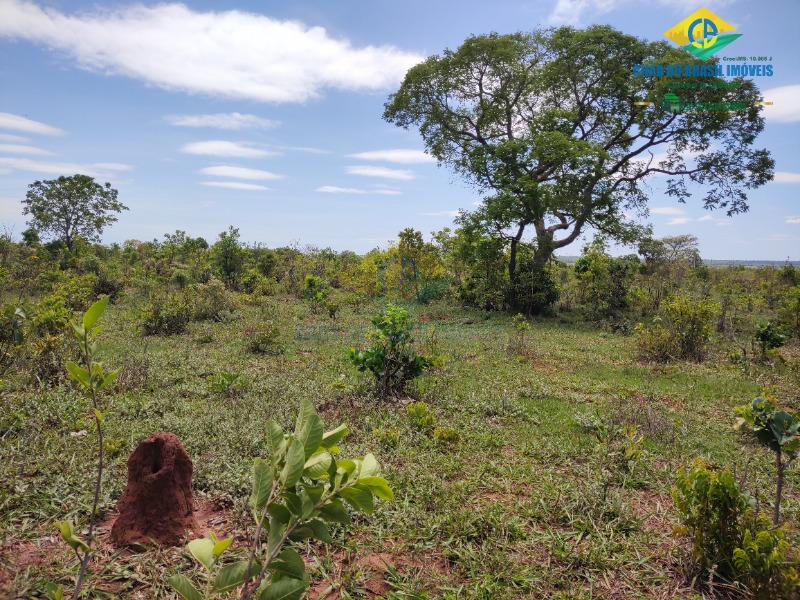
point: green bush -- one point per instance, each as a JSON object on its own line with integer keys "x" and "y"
{"x": 265, "y": 341}
{"x": 212, "y": 302}
{"x": 729, "y": 538}
{"x": 392, "y": 359}
{"x": 420, "y": 416}
{"x": 683, "y": 333}
{"x": 768, "y": 337}
{"x": 166, "y": 314}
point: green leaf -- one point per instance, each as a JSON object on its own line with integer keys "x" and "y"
{"x": 285, "y": 589}
{"x": 289, "y": 563}
{"x": 309, "y": 431}
{"x": 295, "y": 459}
{"x": 359, "y": 497}
{"x": 369, "y": 467}
{"x": 184, "y": 587}
{"x": 301, "y": 533}
{"x": 317, "y": 466}
{"x": 221, "y": 546}
{"x": 276, "y": 529}
{"x": 293, "y": 503}
{"x": 262, "y": 484}
{"x": 280, "y": 512}
{"x": 68, "y": 535}
{"x": 335, "y": 512}
{"x": 320, "y": 530}
{"x": 79, "y": 331}
{"x": 53, "y": 591}
{"x": 78, "y": 373}
{"x": 94, "y": 312}
{"x": 231, "y": 576}
{"x": 203, "y": 550}
{"x": 108, "y": 378}
{"x": 333, "y": 437}
{"x": 378, "y": 486}
{"x": 98, "y": 415}
{"x": 276, "y": 442}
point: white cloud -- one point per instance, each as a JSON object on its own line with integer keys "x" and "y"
{"x": 22, "y": 149}
{"x": 679, "y": 221}
{"x": 784, "y": 177}
{"x": 233, "y": 121}
{"x": 235, "y": 185}
{"x": 706, "y": 218}
{"x": 793, "y": 220}
{"x": 406, "y": 157}
{"x": 17, "y": 123}
{"x": 443, "y": 213}
{"x": 785, "y": 109}
{"x": 229, "y": 54}
{"x": 477, "y": 203}
{"x": 332, "y": 189}
{"x": 667, "y": 210}
{"x": 100, "y": 170}
{"x": 14, "y": 139}
{"x": 239, "y": 173}
{"x": 223, "y": 148}
{"x": 370, "y": 171}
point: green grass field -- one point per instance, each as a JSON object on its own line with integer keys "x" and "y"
{"x": 532, "y": 500}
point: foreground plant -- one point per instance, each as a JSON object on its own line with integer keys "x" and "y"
{"x": 93, "y": 379}
{"x": 730, "y": 539}
{"x": 297, "y": 491}
{"x": 778, "y": 431}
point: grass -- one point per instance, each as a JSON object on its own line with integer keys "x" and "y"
{"x": 529, "y": 502}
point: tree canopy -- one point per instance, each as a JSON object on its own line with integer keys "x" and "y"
{"x": 71, "y": 207}
{"x": 547, "y": 124}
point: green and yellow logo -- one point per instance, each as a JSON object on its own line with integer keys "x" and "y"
{"x": 702, "y": 33}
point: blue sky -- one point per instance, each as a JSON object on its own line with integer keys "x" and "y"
{"x": 267, "y": 115}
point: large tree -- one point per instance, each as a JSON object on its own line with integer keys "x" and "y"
{"x": 71, "y": 207}
{"x": 547, "y": 124}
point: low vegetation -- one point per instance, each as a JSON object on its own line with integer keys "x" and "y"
{"x": 589, "y": 451}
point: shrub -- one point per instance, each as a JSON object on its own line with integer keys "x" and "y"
{"x": 516, "y": 339}
{"x": 729, "y": 538}
{"x": 420, "y": 416}
{"x": 212, "y": 302}
{"x": 391, "y": 359}
{"x": 768, "y": 337}
{"x": 447, "y": 436}
{"x": 166, "y": 314}
{"x": 265, "y": 341}
{"x": 683, "y": 333}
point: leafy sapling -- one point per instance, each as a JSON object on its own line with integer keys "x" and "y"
{"x": 777, "y": 430}
{"x": 297, "y": 491}
{"x": 90, "y": 376}
{"x": 391, "y": 359}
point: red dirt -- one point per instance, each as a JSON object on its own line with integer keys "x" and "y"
{"x": 157, "y": 505}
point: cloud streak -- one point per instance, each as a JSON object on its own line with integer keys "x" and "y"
{"x": 223, "y": 148}
{"x": 17, "y": 123}
{"x": 228, "y": 54}
{"x": 235, "y": 185}
{"x": 231, "y": 121}
{"x": 406, "y": 157}
{"x": 370, "y": 171}
{"x": 785, "y": 108}
{"x": 239, "y": 173}
{"x": 332, "y": 189}
{"x": 100, "y": 170}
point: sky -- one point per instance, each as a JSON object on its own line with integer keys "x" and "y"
{"x": 268, "y": 115}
